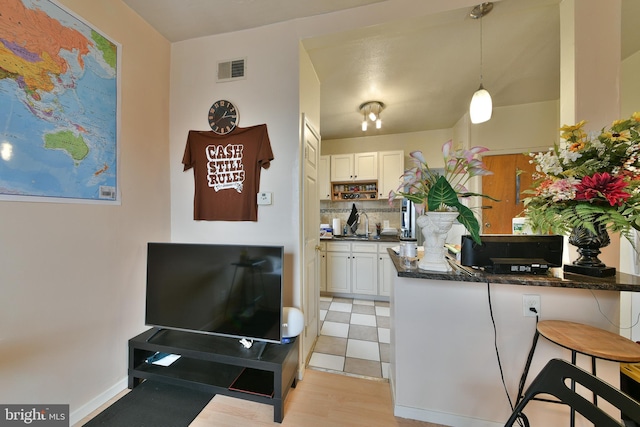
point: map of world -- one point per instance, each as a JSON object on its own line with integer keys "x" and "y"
{"x": 58, "y": 105}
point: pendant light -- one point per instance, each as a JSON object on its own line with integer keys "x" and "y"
{"x": 481, "y": 105}
{"x": 371, "y": 111}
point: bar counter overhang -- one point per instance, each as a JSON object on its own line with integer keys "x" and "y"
{"x": 444, "y": 367}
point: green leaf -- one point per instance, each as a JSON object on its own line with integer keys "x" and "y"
{"x": 468, "y": 219}
{"x": 441, "y": 193}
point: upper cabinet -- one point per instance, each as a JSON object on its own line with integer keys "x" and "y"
{"x": 374, "y": 172}
{"x": 324, "y": 180}
{"x": 390, "y": 169}
{"x": 354, "y": 167}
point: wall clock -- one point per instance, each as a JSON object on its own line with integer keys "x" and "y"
{"x": 223, "y": 117}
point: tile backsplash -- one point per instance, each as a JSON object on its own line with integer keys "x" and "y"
{"x": 378, "y": 211}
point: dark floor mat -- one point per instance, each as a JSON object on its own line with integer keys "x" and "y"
{"x": 154, "y": 404}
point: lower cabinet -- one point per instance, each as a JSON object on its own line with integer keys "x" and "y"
{"x": 386, "y": 269}
{"x": 364, "y": 274}
{"x": 353, "y": 268}
{"x": 339, "y": 272}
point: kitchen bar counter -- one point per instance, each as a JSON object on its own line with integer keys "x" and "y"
{"x": 619, "y": 282}
{"x": 447, "y": 330}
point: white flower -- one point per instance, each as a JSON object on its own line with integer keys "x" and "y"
{"x": 569, "y": 156}
{"x": 548, "y": 163}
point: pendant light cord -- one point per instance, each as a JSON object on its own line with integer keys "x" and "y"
{"x": 481, "y": 65}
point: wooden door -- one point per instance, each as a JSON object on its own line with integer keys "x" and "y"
{"x": 512, "y": 174}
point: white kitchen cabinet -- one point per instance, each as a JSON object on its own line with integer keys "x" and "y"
{"x": 364, "y": 273}
{"x": 341, "y": 167}
{"x": 364, "y": 268}
{"x": 339, "y": 272}
{"x": 352, "y": 268}
{"x": 365, "y": 166}
{"x": 386, "y": 269}
{"x": 390, "y": 168}
{"x": 354, "y": 167}
{"x": 324, "y": 178}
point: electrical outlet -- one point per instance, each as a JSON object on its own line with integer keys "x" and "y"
{"x": 530, "y": 302}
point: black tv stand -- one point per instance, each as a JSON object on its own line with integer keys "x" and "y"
{"x": 156, "y": 332}
{"x": 262, "y": 373}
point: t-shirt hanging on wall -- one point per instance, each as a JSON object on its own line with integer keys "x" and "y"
{"x": 226, "y": 170}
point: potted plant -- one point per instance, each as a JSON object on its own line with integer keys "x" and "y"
{"x": 441, "y": 195}
{"x": 588, "y": 186}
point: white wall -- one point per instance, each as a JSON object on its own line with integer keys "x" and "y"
{"x": 72, "y": 275}
{"x": 519, "y": 128}
{"x": 443, "y": 348}
{"x": 309, "y": 90}
{"x": 629, "y": 260}
{"x": 269, "y": 94}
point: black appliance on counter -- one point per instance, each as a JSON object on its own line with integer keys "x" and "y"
{"x": 513, "y": 253}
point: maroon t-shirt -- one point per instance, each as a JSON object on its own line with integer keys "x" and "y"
{"x": 226, "y": 170}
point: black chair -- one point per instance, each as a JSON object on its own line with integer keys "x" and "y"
{"x": 552, "y": 380}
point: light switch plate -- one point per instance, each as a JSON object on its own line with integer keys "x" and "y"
{"x": 264, "y": 198}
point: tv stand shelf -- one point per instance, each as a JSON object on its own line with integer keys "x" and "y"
{"x": 217, "y": 364}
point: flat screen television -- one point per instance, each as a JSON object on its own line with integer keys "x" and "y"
{"x": 226, "y": 290}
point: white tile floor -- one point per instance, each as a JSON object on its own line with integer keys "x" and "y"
{"x": 354, "y": 337}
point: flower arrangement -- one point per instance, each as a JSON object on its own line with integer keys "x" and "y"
{"x": 442, "y": 192}
{"x": 592, "y": 180}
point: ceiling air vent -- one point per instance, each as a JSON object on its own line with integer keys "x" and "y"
{"x": 232, "y": 70}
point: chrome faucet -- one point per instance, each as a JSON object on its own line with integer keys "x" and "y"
{"x": 366, "y": 223}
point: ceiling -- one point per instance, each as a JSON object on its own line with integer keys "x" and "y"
{"x": 424, "y": 69}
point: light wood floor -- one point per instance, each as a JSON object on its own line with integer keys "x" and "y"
{"x": 322, "y": 399}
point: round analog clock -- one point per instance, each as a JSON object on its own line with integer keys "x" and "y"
{"x": 223, "y": 117}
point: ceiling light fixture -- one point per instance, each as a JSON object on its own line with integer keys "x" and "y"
{"x": 481, "y": 105}
{"x": 371, "y": 110}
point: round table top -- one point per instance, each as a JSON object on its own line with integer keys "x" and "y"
{"x": 590, "y": 340}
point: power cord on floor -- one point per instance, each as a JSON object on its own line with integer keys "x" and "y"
{"x": 495, "y": 344}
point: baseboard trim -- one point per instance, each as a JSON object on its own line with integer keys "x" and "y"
{"x": 441, "y": 417}
{"x": 86, "y": 409}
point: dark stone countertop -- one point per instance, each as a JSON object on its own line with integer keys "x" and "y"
{"x": 619, "y": 282}
{"x": 372, "y": 239}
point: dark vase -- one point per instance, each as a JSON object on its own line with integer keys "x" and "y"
{"x": 589, "y": 244}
